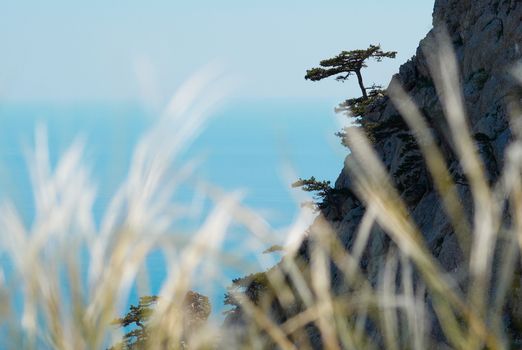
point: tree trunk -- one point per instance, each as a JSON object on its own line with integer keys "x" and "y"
{"x": 361, "y": 84}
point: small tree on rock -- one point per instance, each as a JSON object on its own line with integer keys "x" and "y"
{"x": 322, "y": 189}
{"x": 343, "y": 66}
{"x": 325, "y": 195}
{"x": 196, "y": 309}
{"x": 137, "y": 318}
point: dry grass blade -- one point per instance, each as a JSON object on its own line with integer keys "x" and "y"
{"x": 374, "y": 187}
{"x": 415, "y": 308}
{"x": 445, "y": 71}
{"x": 388, "y": 300}
{"x": 321, "y": 282}
{"x": 435, "y": 162}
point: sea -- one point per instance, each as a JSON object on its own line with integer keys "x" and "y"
{"x": 256, "y": 146}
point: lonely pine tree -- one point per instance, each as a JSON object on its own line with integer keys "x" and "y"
{"x": 346, "y": 64}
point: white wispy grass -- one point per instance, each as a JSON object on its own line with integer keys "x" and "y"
{"x": 65, "y": 278}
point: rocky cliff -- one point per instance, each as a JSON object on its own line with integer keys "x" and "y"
{"x": 487, "y": 39}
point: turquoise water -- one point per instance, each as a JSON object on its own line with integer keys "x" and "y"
{"x": 245, "y": 145}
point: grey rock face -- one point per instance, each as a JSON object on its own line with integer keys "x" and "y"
{"x": 487, "y": 38}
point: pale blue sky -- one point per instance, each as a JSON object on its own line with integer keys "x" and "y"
{"x": 57, "y": 51}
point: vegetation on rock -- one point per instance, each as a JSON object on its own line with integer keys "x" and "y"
{"x": 346, "y": 64}
{"x": 196, "y": 309}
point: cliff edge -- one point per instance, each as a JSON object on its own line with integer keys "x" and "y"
{"x": 487, "y": 38}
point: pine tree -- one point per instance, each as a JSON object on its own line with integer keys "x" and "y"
{"x": 196, "y": 308}
{"x": 348, "y": 63}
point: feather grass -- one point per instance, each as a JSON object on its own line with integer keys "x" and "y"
{"x": 66, "y": 279}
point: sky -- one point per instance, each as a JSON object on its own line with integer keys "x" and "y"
{"x": 62, "y": 51}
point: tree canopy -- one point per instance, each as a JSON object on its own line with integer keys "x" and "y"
{"x": 196, "y": 309}
{"x": 348, "y": 63}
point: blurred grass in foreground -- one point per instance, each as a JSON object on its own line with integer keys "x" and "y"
{"x": 51, "y": 299}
